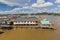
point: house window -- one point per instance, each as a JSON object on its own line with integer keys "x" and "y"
{"x": 24, "y": 21}
{"x": 36, "y": 21}
{"x": 18, "y": 21}
{"x": 32, "y": 21}
{"x": 21, "y": 21}
{"x": 27, "y": 21}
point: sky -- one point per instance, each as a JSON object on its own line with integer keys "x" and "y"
{"x": 29, "y": 6}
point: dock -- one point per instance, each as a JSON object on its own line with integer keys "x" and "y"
{"x": 48, "y": 27}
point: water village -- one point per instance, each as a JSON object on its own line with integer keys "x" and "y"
{"x": 28, "y": 21}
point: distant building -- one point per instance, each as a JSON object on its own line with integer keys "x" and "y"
{"x": 3, "y": 16}
{"x": 25, "y": 21}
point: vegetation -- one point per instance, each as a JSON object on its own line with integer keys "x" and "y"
{"x": 43, "y": 13}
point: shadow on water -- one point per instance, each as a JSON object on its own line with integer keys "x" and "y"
{"x": 1, "y": 32}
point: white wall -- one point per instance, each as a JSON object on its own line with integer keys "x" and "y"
{"x": 25, "y": 22}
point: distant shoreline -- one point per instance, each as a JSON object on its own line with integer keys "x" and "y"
{"x": 31, "y": 14}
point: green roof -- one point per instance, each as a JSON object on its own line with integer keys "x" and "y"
{"x": 45, "y": 21}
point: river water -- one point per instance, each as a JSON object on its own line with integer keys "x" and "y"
{"x": 34, "y": 34}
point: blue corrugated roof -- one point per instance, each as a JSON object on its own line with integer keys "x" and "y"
{"x": 45, "y": 21}
{"x": 26, "y": 19}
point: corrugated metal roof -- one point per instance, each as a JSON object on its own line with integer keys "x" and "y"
{"x": 26, "y": 19}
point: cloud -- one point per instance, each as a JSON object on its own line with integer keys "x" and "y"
{"x": 57, "y": 1}
{"x": 58, "y": 6}
{"x": 20, "y": 10}
{"x": 8, "y": 2}
{"x": 35, "y": 7}
{"x": 14, "y": 2}
{"x": 41, "y": 3}
{"x": 29, "y": 10}
{"x": 11, "y": 11}
{"x": 27, "y": 7}
{"x": 25, "y": 10}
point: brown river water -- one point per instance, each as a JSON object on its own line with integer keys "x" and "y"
{"x": 34, "y": 34}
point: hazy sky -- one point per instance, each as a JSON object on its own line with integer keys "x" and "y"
{"x": 29, "y": 6}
